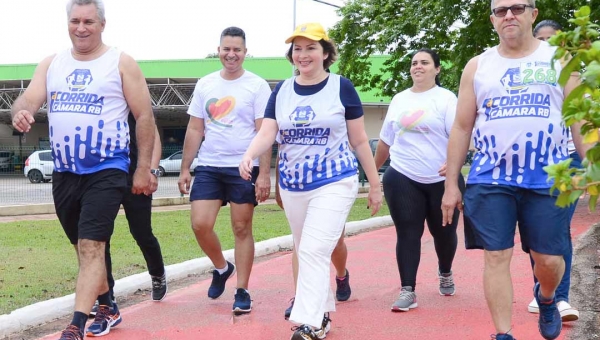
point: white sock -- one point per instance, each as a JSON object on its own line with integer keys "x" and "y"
{"x": 222, "y": 270}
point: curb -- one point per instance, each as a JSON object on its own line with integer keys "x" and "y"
{"x": 46, "y": 311}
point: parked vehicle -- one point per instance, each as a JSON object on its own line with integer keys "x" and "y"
{"x": 39, "y": 166}
{"x": 172, "y": 164}
{"x": 361, "y": 173}
{"x": 6, "y": 158}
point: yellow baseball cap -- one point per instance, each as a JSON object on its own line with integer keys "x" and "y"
{"x": 312, "y": 31}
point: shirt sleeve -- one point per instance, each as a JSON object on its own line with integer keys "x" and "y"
{"x": 270, "y": 109}
{"x": 261, "y": 99}
{"x": 387, "y": 131}
{"x": 350, "y": 99}
{"x": 196, "y": 108}
{"x": 450, "y": 112}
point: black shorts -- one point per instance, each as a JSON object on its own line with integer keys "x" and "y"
{"x": 86, "y": 205}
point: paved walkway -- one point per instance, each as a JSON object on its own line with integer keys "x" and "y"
{"x": 188, "y": 313}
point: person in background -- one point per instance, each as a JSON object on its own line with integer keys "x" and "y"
{"x": 227, "y": 110}
{"x": 317, "y": 116}
{"x": 418, "y": 123}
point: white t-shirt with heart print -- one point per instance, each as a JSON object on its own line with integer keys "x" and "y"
{"x": 417, "y": 127}
{"x": 229, "y": 109}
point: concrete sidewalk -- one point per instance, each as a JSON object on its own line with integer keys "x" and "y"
{"x": 188, "y": 314}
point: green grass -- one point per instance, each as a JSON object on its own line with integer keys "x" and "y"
{"x": 38, "y": 263}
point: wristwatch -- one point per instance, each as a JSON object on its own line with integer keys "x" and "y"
{"x": 155, "y": 172}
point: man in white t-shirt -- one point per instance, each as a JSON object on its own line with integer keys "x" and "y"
{"x": 227, "y": 111}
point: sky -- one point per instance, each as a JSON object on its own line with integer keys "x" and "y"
{"x": 159, "y": 29}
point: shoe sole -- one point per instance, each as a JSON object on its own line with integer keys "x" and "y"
{"x": 442, "y": 294}
{"x": 569, "y": 315}
{"x": 163, "y": 297}
{"x": 230, "y": 275}
{"x": 397, "y": 309}
{"x": 534, "y": 310}
{"x": 239, "y": 311}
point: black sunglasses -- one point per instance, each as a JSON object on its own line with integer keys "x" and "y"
{"x": 514, "y": 9}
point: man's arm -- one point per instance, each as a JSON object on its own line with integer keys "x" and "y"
{"x": 263, "y": 182}
{"x": 156, "y": 153}
{"x": 32, "y": 99}
{"x": 458, "y": 143}
{"x": 137, "y": 96}
{"x": 191, "y": 144}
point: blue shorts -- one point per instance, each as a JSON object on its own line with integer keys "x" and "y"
{"x": 494, "y": 210}
{"x": 225, "y": 184}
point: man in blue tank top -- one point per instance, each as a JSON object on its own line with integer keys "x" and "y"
{"x": 509, "y": 99}
{"x": 89, "y": 90}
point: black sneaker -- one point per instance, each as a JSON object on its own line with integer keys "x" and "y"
{"x": 550, "y": 322}
{"x": 95, "y": 308}
{"x": 159, "y": 287}
{"x": 304, "y": 332}
{"x": 242, "y": 302}
{"x": 288, "y": 311}
{"x": 71, "y": 333}
{"x": 343, "y": 291}
{"x": 217, "y": 286}
{"x": 502, "y": 337}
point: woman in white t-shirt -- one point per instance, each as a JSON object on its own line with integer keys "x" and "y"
{"x": 316, "y": 116}
{"x": 415, "y": 137}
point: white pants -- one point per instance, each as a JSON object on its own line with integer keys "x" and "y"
{"x": 317, "y": 219}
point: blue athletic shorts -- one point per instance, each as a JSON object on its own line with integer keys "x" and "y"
{"x": 494, "y": 210}
{"x": 223, "y": 183}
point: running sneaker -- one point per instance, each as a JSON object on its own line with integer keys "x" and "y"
{"x": 242, "y": 302}
{"x": 71, "y": 333}
{"x": 288, "y": 311}
{"x": 343, "y": 291}
{"x": 106, "y": 318}
{"x": 502, "y": 337}
{"x": 567, "y": 313}
{"x": 406, "y": 301}
{"x": 159, "y": 287}
{"x": 549, "y": 323}
{"x": 217, "y": 286}
{"x": 446, "y": 284}
{"x": 304, "y": 332}
{"x": 325, "y": 327}
{"x": 94, "y": 309}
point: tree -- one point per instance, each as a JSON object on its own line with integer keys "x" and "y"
{"x": 583, "y": 104}
{"x": 457, "y": 29}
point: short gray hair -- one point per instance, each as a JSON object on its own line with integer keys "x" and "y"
{"x": 529, "y": 2}
{"x": 98, "y": 3}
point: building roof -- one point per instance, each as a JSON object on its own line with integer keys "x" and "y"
{"x": 272, "y": 69}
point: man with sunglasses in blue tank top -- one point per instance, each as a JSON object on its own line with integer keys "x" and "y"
{"x": 509, "y": 98}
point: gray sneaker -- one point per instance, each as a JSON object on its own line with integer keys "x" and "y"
{"x": 406, "y": 301}
{"x": 446, "y": 284}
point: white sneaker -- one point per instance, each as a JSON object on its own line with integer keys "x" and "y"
{"x": 567, "y": 313}
{"x": 533, "y": 307}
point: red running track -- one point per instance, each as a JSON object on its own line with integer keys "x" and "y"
{"x": 189, "y": 314}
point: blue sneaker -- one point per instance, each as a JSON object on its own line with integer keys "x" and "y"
{"x": 105, "y": 319}
{"x": 343, "y": 291}
{"x": 550, "y": 322}
{"x": 242, "y": 303}
{"x": 502, "y": 337}
{"x": 217, "y": 286}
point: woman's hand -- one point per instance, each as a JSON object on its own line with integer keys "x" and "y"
{"x": 246, "y": 168}
{"x": 375, "y": 198}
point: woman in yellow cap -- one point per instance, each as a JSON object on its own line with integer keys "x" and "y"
{"x": 317, "y": 118}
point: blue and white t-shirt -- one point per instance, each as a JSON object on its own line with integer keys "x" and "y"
{"x": 314, "y": 149}
{"x": 87, "y": 114}
{"x": 519, "y": 128}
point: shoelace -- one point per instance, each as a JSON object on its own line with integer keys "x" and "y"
{"x": 547, "y": 312}
{"x": 446, "y": 281}
{"x": 406, "y": 295}
{"x": 306, "y": 329}
{"x": 102, "y": 314}
{"x": 158, "y": 282}
{"x": 71, "y": 333}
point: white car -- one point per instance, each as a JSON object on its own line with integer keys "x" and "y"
{"x": 39, "y": 166}
{"x": 172, "y": 164}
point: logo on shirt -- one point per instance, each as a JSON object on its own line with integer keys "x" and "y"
{"x": 219, "y": 109}
{"x": 302, "y": 116}
{"x": 408, "y": 121}
{"x": 511, "y": 81}
{"x": 76, "y": 100}
{"x": 79, "y": 79}
{"x": 302, "y": 133}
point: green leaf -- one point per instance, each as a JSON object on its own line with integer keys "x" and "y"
{"x": 572, "y": 66}
{"x": 584, "y": 11}
{"x": 574, "y": 195}
{"x": 592, "y": 203}
{"x": 577, "y": 92}
{"x": 563, "y": 199}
